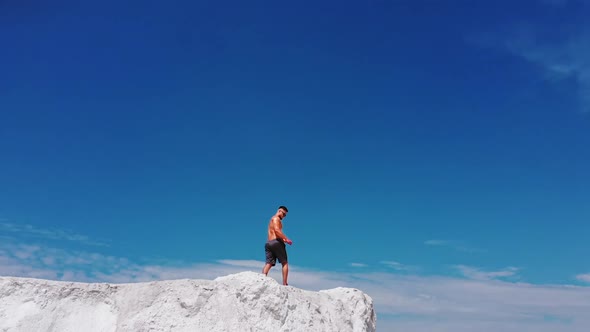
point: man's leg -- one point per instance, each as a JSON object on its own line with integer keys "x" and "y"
{"x": 282, "y": 257}
{"x": 270, "y": 259}
{"x": 285, "y": 273}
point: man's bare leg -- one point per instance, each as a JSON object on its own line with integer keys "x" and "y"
{"x": 266, "y": 268}
{"x": 285, "y": 273}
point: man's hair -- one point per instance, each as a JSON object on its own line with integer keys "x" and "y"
{"x": 284, "y": 208}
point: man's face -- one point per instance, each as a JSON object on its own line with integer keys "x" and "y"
{"x": 282, "y": 213}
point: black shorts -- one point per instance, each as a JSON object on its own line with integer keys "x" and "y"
{"x": 275, "y": 249}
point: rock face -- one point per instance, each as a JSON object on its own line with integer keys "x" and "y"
{"x": 245, "y": 301}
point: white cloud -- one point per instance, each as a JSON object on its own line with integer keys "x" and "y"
{"x": 14, "y": 267}
{"x": 358, "y": 265}
{"x": 583, "y": 277}
{"x": 26, "y": 251}
{"x": 242, "y": 263}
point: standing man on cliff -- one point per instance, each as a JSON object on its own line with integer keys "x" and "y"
{"x": 275, "y": 246}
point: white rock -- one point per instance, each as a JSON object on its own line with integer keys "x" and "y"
{"x": 245, "y": 301}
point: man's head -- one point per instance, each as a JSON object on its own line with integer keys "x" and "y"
{"x": 282, "y": 212}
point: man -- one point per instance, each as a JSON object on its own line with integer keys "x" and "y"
{"x": 275, "y": 246}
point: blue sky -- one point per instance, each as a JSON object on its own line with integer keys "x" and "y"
{"x": 430, "y": 153}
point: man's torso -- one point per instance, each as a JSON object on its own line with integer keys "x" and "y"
{"x": 271, "y": 232}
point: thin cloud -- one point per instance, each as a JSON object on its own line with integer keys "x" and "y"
{"x": 358, "y": 265}
{"x": 436, "y": 243}
{"x": 584, "y": 277}
{"x": 478, "y": 274}
{"x": 558, "y": 3}
{"x": 454, "y": 245}
{"x": 50, "y": 234}
{"x": 570, "y": 58}
{"x": 398, "y": 266}
{"x": 562, "y": 59}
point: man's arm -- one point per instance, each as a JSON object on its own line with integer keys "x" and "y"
{"x": 276, "y": 226}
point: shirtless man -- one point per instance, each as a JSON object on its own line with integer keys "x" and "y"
{"x": 275, "y": 246}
